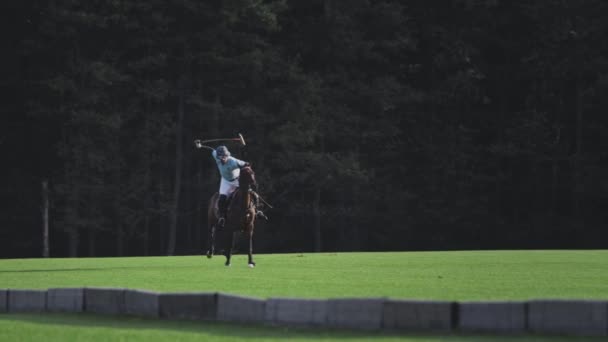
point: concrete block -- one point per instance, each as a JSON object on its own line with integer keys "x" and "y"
{"x": 195, "y": 306}
{"x": 418, "y": 315}
{"x": 65, "y": 300}
{"x": 492, "y": 317}
{"x": 304, "y": 312}
{"x": 104, "y": 301}
{"x": 26, "y": 300}
{"x": 355, "y": 313}
{"x": 571, "y": 317}
{"x": 240, "y": 309}
{"x": 3, "y": 300}
{"x": 142, "y": 303}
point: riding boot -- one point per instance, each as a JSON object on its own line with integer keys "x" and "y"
{"x": 222, "y": 207}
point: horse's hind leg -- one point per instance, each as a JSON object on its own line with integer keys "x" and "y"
{"x": 228, "y": 242}
{"x": 211, "y": 242}
{"x": 251, "y": 263}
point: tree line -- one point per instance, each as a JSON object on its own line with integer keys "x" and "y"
{"x": 371, "y": 124}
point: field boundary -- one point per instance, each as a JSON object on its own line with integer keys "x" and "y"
{"x": 542, "y": 316}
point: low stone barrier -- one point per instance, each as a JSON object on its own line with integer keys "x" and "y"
{"x": 107, "y": 301}
{"x": 3, "y": 300}
{"x": 563, "y": 317}
{"x": 142, "y": 303}
{"x": 26, "y": 300}
{"x": 194, "y": 306}
{"x": 297, "y": 312}
{"x": 501, "y": 317}
{"x": 573, "y": 317}
{"x": 355, "y": 313}
{"x": 232, "y": 308}
{"x": 418, "y": 315}
{"x": 65, "y": 300}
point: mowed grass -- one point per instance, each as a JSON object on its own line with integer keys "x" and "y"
{"x": 468, "y": 275}
{"x": 459, "y": 275}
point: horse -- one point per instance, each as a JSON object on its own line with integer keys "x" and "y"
{"x": 240, "y": 218}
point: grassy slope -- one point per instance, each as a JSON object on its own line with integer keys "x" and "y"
{"x": 478, "y": 275}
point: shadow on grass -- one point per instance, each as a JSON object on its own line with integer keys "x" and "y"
{"x": 109, "y": 268}
{"x": 245, "y": 332}
{"x": 56, "y": 270}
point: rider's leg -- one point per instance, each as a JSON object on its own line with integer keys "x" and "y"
{"x": 226, "y": 188}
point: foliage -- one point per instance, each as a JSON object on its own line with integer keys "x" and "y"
{"x": 372, "y": 124}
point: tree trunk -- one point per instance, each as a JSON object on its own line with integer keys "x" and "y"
{"x": 146, "y": 236}
{"x": 120, "y": 243}
{"x": 45, "y": 219}
{"x": 73, "y": 242}
{"x": 92, "y": 249}
{"x": 555, "y": 173}
{"x": 178, "y": 171}
{"x": 199, "y": 220}
{"x": 161, "y": 217}
{"x": 576, "y": 194}
{"x": 316, "y": 212}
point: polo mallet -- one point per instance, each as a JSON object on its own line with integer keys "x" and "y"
{"x": 201, "y": 143}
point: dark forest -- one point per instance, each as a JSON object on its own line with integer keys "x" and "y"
{"x": 371, "y": 124}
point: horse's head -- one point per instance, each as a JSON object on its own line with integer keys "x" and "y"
{"x": 247, "y": 178}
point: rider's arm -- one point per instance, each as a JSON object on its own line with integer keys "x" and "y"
{"x": 241, "y": 163}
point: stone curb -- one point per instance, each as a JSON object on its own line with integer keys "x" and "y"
{"x": 502, "y": 317}
{"x": 65, "y": 300}
{"x": 142, "y": 303}
{"x": 297, "y": 312}
{"x": 193, "y": 306}
{"x": 3, "y": 300}
{"x": 232, "y": 308}
{"x": 419, "y": 315}
{"x": 26, "y": 300}
{"x": 355, "y": 313}
{"x": 109, "y": 301}
{"x": 572, "y": 317}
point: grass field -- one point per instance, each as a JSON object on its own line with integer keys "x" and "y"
{"x": 470, "y": 275}
{"x": 478, "y": 275}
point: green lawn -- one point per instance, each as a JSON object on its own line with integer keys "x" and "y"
{"x": 84, "y": 327}
{"x": 478, "y": 275}
{"x": 469, "y": 275}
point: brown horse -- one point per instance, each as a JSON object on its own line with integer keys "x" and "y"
{"x": 240, "y": 218}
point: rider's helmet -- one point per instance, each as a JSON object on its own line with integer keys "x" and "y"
{"x": 222, "y": 151}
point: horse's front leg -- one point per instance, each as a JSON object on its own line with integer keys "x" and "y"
{"x": 251, "y": 263}
{"x": 228, "y": 256}
{"x": 228, "y": 245}
{"x": 211, "y": 242}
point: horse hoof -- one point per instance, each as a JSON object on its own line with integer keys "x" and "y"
{"x": 252, "y": 265}
{"x": 227, "y": 264}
